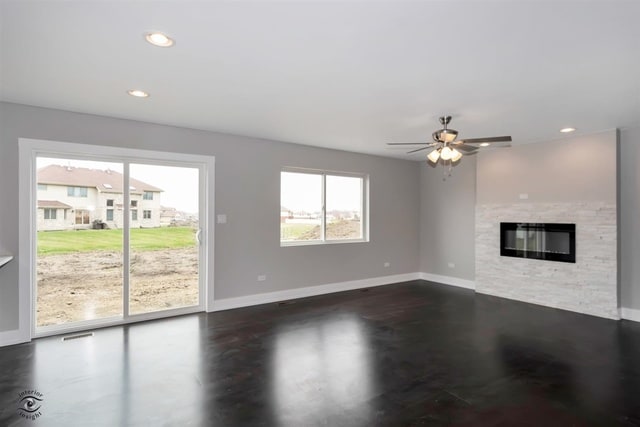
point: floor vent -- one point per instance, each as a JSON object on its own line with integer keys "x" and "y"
{"x": 75, "y": 337}
{"x": 286, "y": 302}
{"x": 364, "y": 290}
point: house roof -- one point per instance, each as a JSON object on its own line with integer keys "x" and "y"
{"x": 106, "y": 181}
{"x": 52, "y": 204}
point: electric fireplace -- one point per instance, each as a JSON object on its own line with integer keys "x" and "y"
{"x": 545, "y": 241}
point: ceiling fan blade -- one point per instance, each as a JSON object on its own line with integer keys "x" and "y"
{"x": 410, "y": 143}
{"x": 498, "y": 145}
{"x": 481, "y": 140}
{"x": 417, "y": 149}
{"x": 466, "y": 149}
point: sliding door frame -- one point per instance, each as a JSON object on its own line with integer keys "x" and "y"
{"x": 30, "y": 150}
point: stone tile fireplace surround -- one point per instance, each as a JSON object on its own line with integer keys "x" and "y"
{"x": 589, "y": 286}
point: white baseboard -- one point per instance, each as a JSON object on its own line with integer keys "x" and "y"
{"x": 12, "y": 337}
{"x": 630, "y": 314}
{"x": 448, "y": 280}
{"x": 289, "y": 294}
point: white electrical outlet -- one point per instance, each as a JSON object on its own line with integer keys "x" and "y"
{"x": 387, "y": 264}
{"x": 262, "y": 278}
{"x": 451, "y": 265}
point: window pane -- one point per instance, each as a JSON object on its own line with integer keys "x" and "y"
{"x": 300, "y": 206}
{"x": 344, "y": 207}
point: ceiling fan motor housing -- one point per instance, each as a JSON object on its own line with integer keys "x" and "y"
{"x": 445, "y": 135}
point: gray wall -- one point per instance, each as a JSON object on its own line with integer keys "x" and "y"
{"x": 630, "y": 218}
{"x": 447, "y": 221}
{"x": 582, "y": 168}
{"x": 247, "y": 190}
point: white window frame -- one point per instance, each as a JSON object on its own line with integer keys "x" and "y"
{"x": 364, "y": 221}
{"x": 29, "y": 150}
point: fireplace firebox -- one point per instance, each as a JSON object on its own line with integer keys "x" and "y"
{"x": 544, "y": 241}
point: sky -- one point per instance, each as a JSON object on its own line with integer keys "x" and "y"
{"x": 180, "y": 184}
{"x": 303, "y": 192}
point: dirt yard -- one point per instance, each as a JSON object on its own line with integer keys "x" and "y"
{"x": 88, "y": 285}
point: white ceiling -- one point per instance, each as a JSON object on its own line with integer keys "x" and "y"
{"x": 340, "y": 74}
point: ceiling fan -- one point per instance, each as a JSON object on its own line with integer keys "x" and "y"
{"x": 447, "y": 149}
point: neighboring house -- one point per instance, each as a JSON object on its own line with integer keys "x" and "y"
{"x": 285, "y": 214}
{"x": 169, "y": 216}
{"x": 72, "y": 198}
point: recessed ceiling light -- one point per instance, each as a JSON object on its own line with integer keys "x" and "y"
{"x": 159, "y": 39}
{"x": 484, "y": 144}
{"x": 138, "y": 93}
{"x": 567, "y": 130}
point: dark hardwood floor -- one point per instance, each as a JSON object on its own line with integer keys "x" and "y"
{"x": 414, "y": 353}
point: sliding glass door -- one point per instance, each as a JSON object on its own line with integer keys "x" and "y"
{"x": 116, "y": 241}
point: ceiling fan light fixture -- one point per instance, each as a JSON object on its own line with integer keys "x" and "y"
{"x": 434, "y": 155}
{"x": 567, "y": 130}
{"x": 446, "y": 153}
{"x": 456, "y": 155}
{"x": 484, "y": 144}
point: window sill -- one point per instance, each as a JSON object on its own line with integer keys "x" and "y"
{"x": 320, "y": 243}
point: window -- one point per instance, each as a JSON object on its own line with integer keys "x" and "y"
{"x": 109, "y": 214}
{"x": 110, "y": 202}
{"x": 50, "y": 213}
{"x": 134, "y": 203}
{"x": 134, "y": 214}
{"x": 148, "y": 195}
{"x": 322, "y": 207}
{"x": 42, "y": 187}
{"x": 77, "y": 191}
{"x": 146, "y": 214}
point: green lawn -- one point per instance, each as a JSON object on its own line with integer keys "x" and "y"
{"x": 142, "y": 239}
